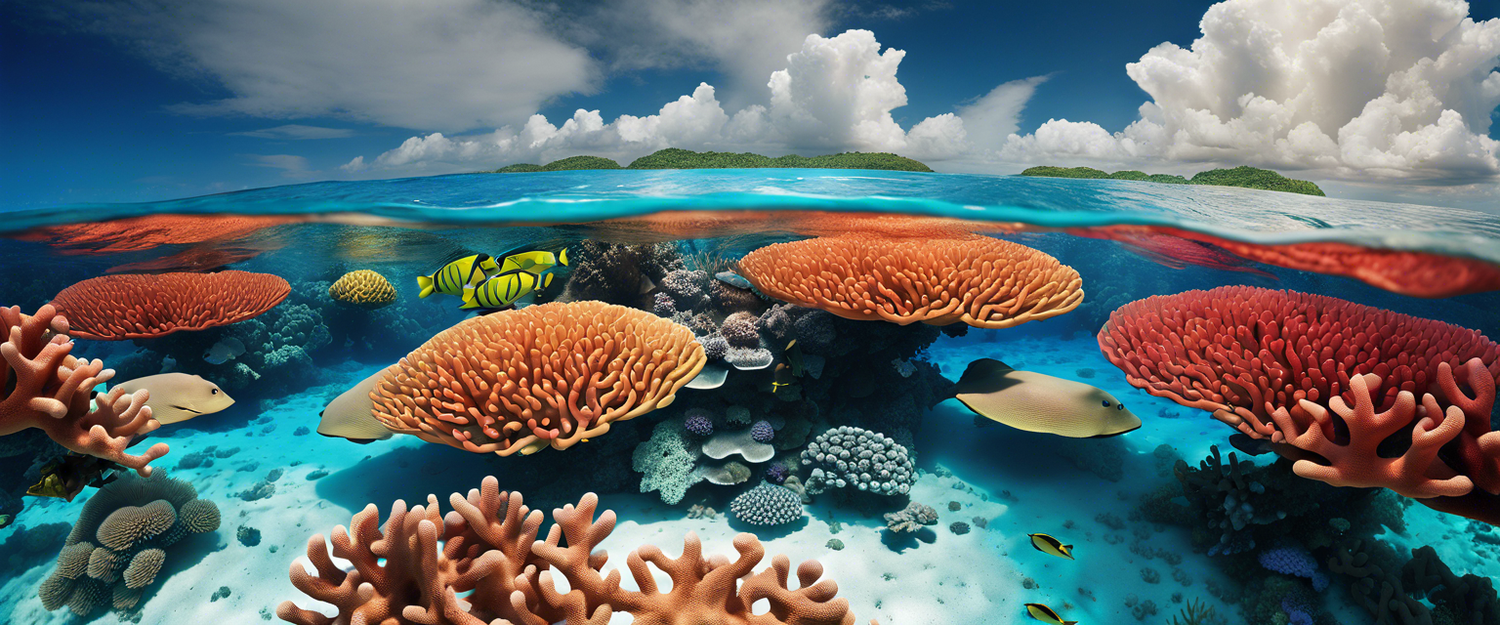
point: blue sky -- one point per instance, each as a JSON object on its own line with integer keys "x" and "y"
{"x": 131, "y": 101}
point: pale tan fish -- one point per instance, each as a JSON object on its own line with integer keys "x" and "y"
{"x": 177, "y": 397}
{"x": 1041, "y": 403}
{"x": 351, "y": 416}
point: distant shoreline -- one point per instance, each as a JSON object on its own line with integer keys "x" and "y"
{"x": 1243, "y": 176}
{"x": 676, "y": 158}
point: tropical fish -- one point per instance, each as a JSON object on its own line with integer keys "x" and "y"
{"x": 67, "y": 476}
{"x": 224, "y": 351}
{"x": 1051, "y": 546}
{"x": 177, "y": 397}
{"x": 1041, "y": 403}
{"x": 502, "y": 290}
{"x": 520, "y": 274}
{"x": 782, "y": 378}
{"x": 733, "y": 279}
{"x": 1046, "y": 615}
{"x": 455, "y": 276}
{"x": 351, "y": 416}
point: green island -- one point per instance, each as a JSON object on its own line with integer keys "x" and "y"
{"x": 677, "y": 158}
{"x": 1243, "y": 176}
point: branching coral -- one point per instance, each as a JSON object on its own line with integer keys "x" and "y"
{"x": 113, "y": 308}
{"x": 489, "y": 547}
{"x": 1329, "y": 377}
{"x": 552, "y": 374}
{"x": 42, "y": 386}
{"x": 981, "y": 281}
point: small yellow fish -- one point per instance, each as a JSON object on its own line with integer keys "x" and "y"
{"x": 782, "y": 378}
{"x": 534, "y": 262}
{"x": 454, "y": 277}
{"x": 502, "y": 291}
{"x": 1046, "y": 615}
{"x": 1051, "y": 546}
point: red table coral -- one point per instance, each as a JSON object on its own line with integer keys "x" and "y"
{"x": 1325, "y": 376}
{"x": 42, "y": 386}
{"x": 489, "y": 547}
{"x": 114, "y": 308}
{"x": 525, "y": 379}
{"x": 978, "y": 280}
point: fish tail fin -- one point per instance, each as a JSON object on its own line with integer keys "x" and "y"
{"x": 562, "y": 257}
{"x": 424, "y": 283}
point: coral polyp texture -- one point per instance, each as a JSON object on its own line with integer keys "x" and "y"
{"x": 42, "y": 386}
{"x": 489, "y": 552}
{"x": 116, "y": 547}
{"x": 363, "y": 288}
{"x": 845, "y": 457}
{"x": 1329, "y": 377}
{"x": 522, "y": 380}
{"x": 115, "y": 308}
{"x": 977, "y": 280}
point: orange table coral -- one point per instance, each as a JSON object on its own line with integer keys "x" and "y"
{"x": 1329, "y": 377}
{"x": 114, "y": 308}
{"x": 489, "y": 547}
{"x": 42, "y": 386}
{"x": 978, "y": 280}
{"x": 552, "y": 374}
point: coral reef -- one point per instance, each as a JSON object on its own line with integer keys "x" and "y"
{"x": 617, "y": 274}
{"x": 363, "y": 288}
{"x": 479, "y": 385}
{"x": 133, "y": 519}
{"x": 1328, "y": 377}
{"x": 113, "y": 308}
{"x": 981, "y": 281}
{"x": 44, "y": 387}
{"x": 767, "y": 504}
{"x": 665, "y": 462}
{"x": 911, "y": 518}
{"x": 855, "y": 457}
{"x": 490, "y": 553}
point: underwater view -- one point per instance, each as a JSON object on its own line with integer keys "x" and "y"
{"x": 611, "y": 397}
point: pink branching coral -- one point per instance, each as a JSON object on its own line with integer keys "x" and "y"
{"x": 490, "y": 548}
{"x": 42, "y": 386}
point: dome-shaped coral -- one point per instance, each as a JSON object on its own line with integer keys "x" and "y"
{"x": 115, "y": 308}
{"x": 544, "y": 375}
{"x": 363, "y": 288}
{"x": 981, "y": 281}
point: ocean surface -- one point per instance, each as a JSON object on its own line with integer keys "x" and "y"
{"x": 1014, "y": 360}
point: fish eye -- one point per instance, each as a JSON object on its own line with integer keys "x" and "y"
{"x": 1106, "y": 403}
{"x": 214, "y": 391}
{"x": 1119, "y": 406}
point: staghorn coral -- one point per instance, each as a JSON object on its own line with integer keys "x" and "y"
{"x": 363, "y": 288}
{"x": 1329, "y": 377}
{"x": 522, "y": 380}
{"x": 132, "y": 519}
{"x": 42, "y": 386}
{"x": 489, "y": 551}
{"x": 114, "y": 308}
{"x": 977, "y": 280}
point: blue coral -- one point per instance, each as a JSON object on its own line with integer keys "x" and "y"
{"x": 698, "y": 423}
{"x": 767, "y": 504}
{"x": 777, "y": 473}
{"x": 1295, "y": 561}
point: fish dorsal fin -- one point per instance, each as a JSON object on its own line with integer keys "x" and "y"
{"x": 983, "y": 376}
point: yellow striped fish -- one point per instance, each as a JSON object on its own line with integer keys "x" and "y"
{"x": 534, "y": 262}
{"x": 502, "y": 290}
{"x": 458, "y": 275}
{"x": 1051, "y": 546}
{"x": 1046, "y": 615}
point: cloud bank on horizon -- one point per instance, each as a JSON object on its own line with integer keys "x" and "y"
{"x": 1354, "y": 90}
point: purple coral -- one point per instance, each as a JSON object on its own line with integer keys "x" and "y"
{"x": 1296, "y": 614}
{"x": 663, "y": 305}
{"x": 739, "y": 330}
{"x": 762, "y": 431}
{"x": 698, "y": 423}
{"x": 777, "y": 473}
{"x": 714, "y": 346}
{"x": 1292, "y": 560}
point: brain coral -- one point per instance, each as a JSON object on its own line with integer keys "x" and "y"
{"x": 981, "y": 281}
{"x": 552, "y": 374}
{"x": 1326, "y": 376}
{"x": 114, "y": 308}
{"x": 363, "y": 288}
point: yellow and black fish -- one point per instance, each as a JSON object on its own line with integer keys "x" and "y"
{"x": 67, "y": 476}
{"x": 455, "y": 276}
{"x": 502, "y": 290}
{"x": 1046, "y": 615}
{"x": 1051, "y": 546}
{"x": 534, "y": 262}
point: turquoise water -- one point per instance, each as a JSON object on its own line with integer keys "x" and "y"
{"x": 1150, "y": 537}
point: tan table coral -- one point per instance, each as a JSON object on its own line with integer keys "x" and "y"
{"x": 42, "y": 386}
{"x": 489, "y": 547}
{"x": 363, "y": 288}
{"x": 133, "y": 306}
{"x": 521, "y": 380}
{"x": 973, "y": 279}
